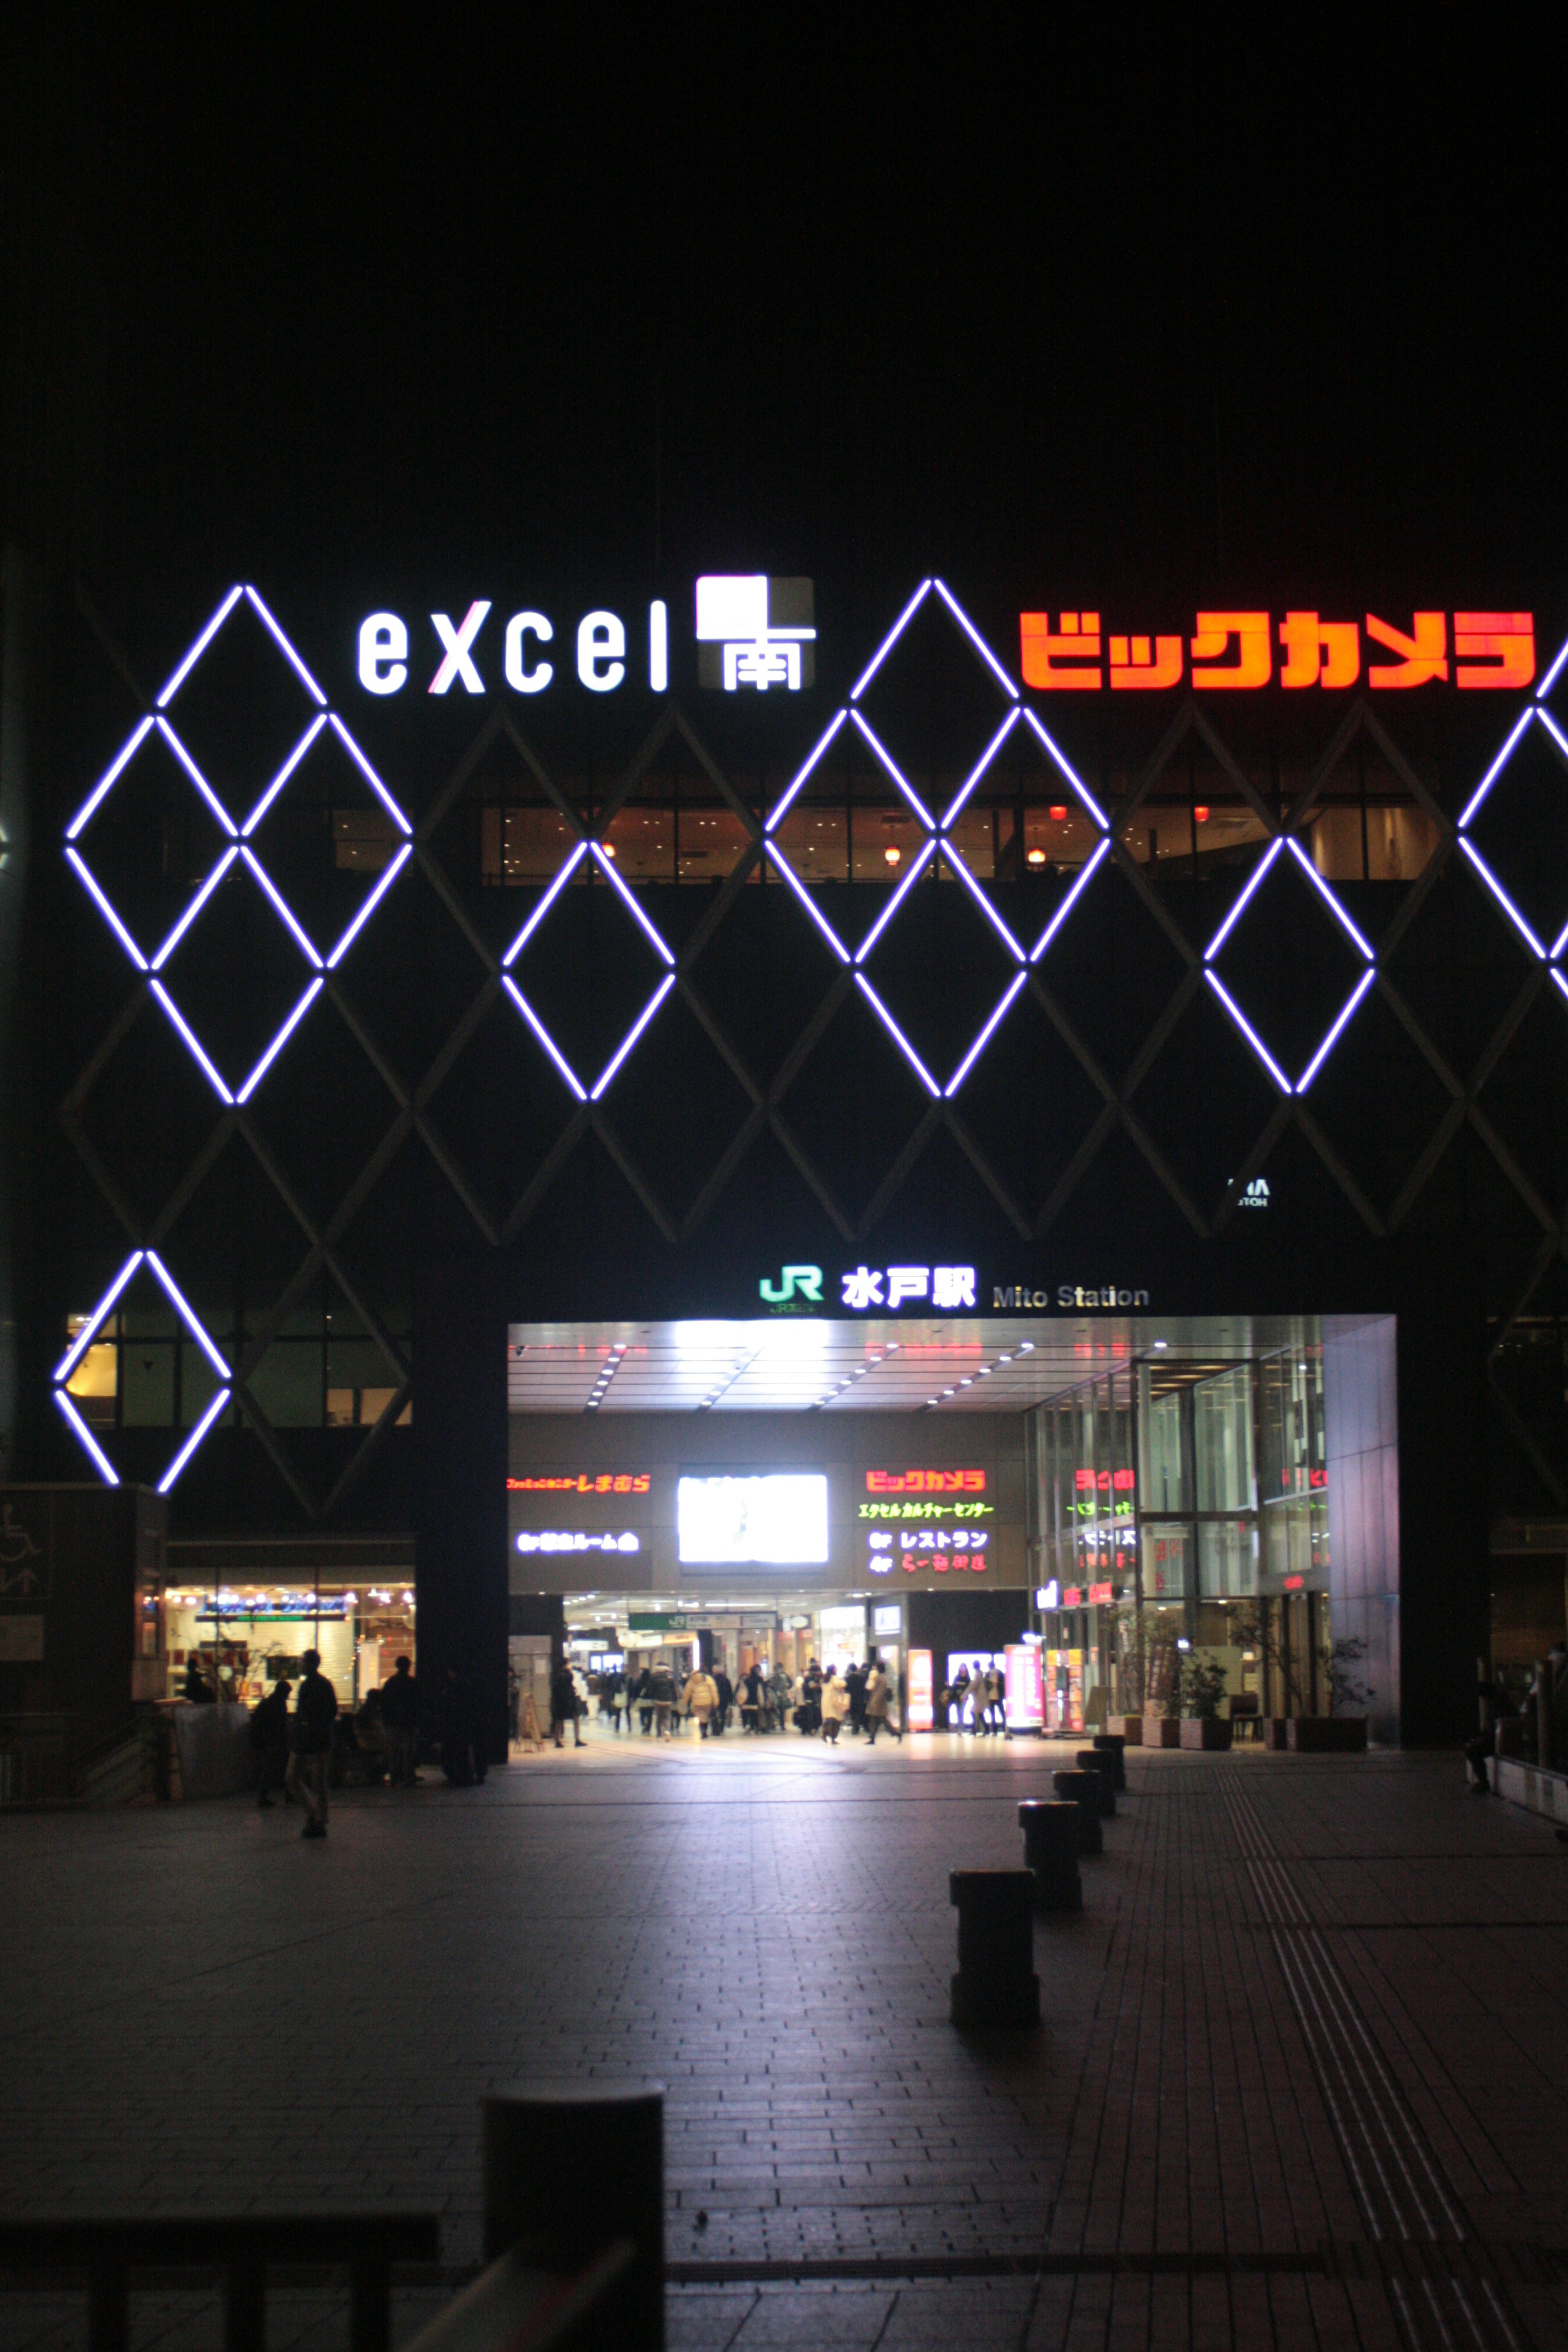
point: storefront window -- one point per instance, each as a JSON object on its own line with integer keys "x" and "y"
{"x": 1293, "y": 1454}
{"x": 1227, "y": 1559}
{"x": 1164, "y": 1469}
{"x": 1167, "y": 1560}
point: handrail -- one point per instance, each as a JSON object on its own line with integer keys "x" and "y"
{"x": 513, "y": 2306}
{"x": 241, "y": 2245}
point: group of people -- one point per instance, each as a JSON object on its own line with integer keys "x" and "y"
{"x": 301, "y": 1751}
{"x": 983, "y": 1693}
{"x": 766, "y": 1698}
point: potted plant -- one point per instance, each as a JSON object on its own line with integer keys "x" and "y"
{"x": 1203, "y": 1687}
{"x": 1343, "y": 1730}
{"x": 1128, "y": 1653}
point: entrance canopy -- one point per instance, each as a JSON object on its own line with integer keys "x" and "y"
{"x": 983, "y": 1364}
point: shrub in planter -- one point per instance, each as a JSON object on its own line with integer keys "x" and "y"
{"x": 1162, "y": 1731}
{"x": 1128, "y": 1728}
{"x": 1206, "y": 1731}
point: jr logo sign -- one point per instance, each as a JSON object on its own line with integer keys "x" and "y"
{"x": 797, "y": 1282}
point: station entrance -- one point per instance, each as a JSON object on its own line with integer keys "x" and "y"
{"x": 1113, "y": 1514}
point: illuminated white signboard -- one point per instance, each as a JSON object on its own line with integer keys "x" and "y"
{"x": 753, "y": 631}
{"x": 778, "y": 1518}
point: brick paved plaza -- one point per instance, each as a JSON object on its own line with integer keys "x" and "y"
{"x": 1301, "y": 2080}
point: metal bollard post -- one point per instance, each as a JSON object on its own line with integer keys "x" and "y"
{"x": 1087, "y": 1760}
{"x": 1083, "y": 1790}
{"x": 1050, "y": 1853}
{"x": 572, "y": 2168}
{"x": 1112, "y": 1745}
{"x": 995, "y": 1984}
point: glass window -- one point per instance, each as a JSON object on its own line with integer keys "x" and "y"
{"x": 1227, "y": 1559}
{"x": 1222, "y": 1441}
{"x": 1164, "y": 1479}
{"x": 1167, "y": 1560}
{"x": 1291, "y": 1438}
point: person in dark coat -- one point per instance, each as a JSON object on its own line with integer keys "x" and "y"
{"x": 309, "y": 1766}
{"x": 855, "y": 1683}
{"x": 197, "y": 1691}
{"x": 269, "y": 1737}
{"x": 726, "y": 1700}
{"x": 564, "y": 1703}
{"x": 399, "y": 1716}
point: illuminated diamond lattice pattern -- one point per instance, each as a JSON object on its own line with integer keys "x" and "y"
{"x": 1030, "y": 961}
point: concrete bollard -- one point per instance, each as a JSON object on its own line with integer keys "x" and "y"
{"x": 570, "y": 2167}
{"x": 1050, "y": 1853}
{"x": 1083, "y": 1790}
{"x": 995, "y": 1984}
{"x": 1087, "y": 1760}
{"x": 1112, "y": 1744}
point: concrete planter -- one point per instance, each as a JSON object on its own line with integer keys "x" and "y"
{"x": 1275, "y": 1727}
{"x": 1162, "y": 1731}
{"x": 1211, "y": 1732}
{"x": 1326, "y": 1734}
{"x": 1128, "y": 1728}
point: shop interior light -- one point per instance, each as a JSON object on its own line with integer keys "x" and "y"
{"x": 895, "y": 771}
{"x": 1035, "y": 856}
{"x": 889, "y": 641}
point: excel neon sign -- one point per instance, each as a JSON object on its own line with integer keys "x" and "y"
{"x": 1233, "y": 651}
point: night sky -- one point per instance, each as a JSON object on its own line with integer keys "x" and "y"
{"x": 1205, "y": 311}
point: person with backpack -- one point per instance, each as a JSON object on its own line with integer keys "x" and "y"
{"x": 309, "y": 1766}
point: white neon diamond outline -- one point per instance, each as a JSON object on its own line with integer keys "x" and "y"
{"x": 975, "y": 639}
{"x": 100, "y": 1459}
{"x": 395, "y": 867}
{"x": 1497, "y": 766}
{"x": 1234, "y": 916}
{"x": 985, "y": 759}
{"x": 958, "y": 866}
{"x": 1316, "y": 879}
{"x": 183, "y": 924}
{"x": 927, "y": 851}
{"x": 531, "y": 925}
{"x": 196, "y": 777}
{"x": 899, "y": 1037}
{"x": 1504, "y": 901}
{"x": 1101, "y": 850}
{"x": 1560, "y": 942}
{"x": 110, "y": 776}
{"x": 182, "y": 1304}
{"x": 1553, "y": 730}
{"x": 89, "y": 1330}
{"x": 1324, "y": 1050}
{"x": 312, "y": 989}
{"x": 80, "y": 867}
{"x": 1014, "y": 986}
{"x": 1247, "y": 1030}
{"x": 1032, "y": 719}
{"x": 787, "y": 874}
{"x": 543, "y": 1034}
{"x": 1561, "y": 983}
{"x": 1549, "y": 680}
{"x": 891, "y": 765}
{"x": 276, "y": 896}
{"x": 890, "y": 640}
{"x": 281, "y": 778}
{"x": 310, "y": 683}
{"x": 836, "y": 723}
{"x": 607, "y": 867}
{"x": 194, "y": 1439}
{"x": 192, "y": 1040}
{"x": 200, "y": 646}
{"x": 372, "y": 779}
{"x": 597, "y": 1090}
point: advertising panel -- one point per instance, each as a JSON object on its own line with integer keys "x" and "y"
{"x": 1026, "y": 1690}
{"x": 922, "y": 1702}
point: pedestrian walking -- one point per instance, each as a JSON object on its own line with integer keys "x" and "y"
{"x": 700, "y": 1698}
{"x": 780, "y": 1691}
{"x": 854, "y": 1687}
{"x": 809, "y": 1713}
{"x": 642, "y": 1698}
{"x": 752, "y": 1699}
{"x": 834, "y": 1707}
{"x": 726, "y": 1690}
{"x": 269, "y": 1737}
{"x": 400, "y": 1718}
{"x": 564, "y": 1705}
{"x": 879, "y": 1706}
{"x": 661, "y": 1690}
{"x": 310, "y": 1766}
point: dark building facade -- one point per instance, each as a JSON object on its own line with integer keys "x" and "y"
{"x": 1156, "y": 982}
